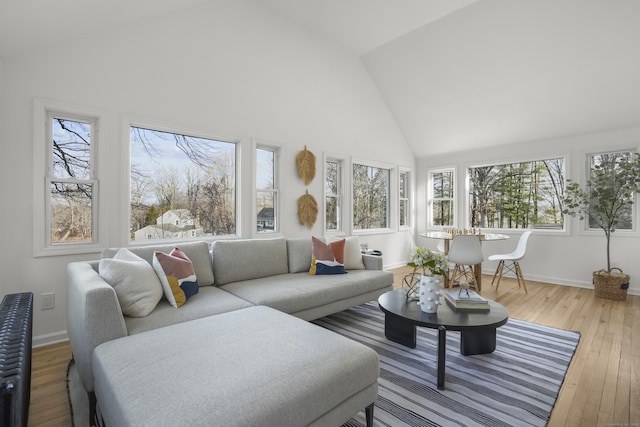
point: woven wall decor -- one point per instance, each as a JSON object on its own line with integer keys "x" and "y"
{"x": 307, "y": 210}
{"x": 306, "y": 164}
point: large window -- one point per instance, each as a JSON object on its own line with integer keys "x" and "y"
{"x": 71, "y": 181}
{"x": 370, "y": 197}
{"x": 442, "y": 198}
{"x": 333, "y": 195}
{"x": 403, "y": 193}
{"x": 517, "y": 195}
{"x": 181, "y": 186}
{"x": 266, "y": 191}
{"x": 604, "y": 163}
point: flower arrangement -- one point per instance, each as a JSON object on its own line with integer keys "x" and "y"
{"x": 435, "y": 262}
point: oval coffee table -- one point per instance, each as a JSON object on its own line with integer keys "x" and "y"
{"x": 477, "y": 328}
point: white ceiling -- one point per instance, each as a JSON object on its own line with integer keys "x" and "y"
{"x": 363, "y": 25}
{"x": 456, "y": 74}
{"x": 30, "y": 24}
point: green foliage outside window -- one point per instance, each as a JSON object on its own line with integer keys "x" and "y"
{"x": 517, "y": 195}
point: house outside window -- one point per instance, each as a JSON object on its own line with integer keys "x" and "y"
{"x": 610, "y": 161}
{"x": 442, "y": 200}
{"x": 403, "y": 194}
{"x": 182, "y": 186}
{"x": 371, "y": 195}
{"x": 333, "y": 195}
{"x": 517, "y": 195}
{"x": 266, "y": 191}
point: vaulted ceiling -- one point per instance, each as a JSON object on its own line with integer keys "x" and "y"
{"x": 455, "y": 74}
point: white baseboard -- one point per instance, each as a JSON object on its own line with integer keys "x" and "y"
{"x": 537, "y": 278}
{"x": 48, "y": 339}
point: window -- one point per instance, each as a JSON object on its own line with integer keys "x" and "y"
{"x": 181, "y": 186}
{"x": 403, "y": 193}
{"x": 370, "y": 197}
{"x": 333, "y": 195}
{"x": 517, "y": 195}
{"x": 71, "y": 180}
{"x": 604, "y": 163}
{"x": 266, "y": 192}
{"x": 442, "y": 198}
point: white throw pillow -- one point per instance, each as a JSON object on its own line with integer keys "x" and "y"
{"x": 134, "y": 280}
{"x": 352, "y": 253}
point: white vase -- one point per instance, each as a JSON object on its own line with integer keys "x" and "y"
{"x": 430, "y": 293}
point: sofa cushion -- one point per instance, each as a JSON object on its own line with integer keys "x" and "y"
{"x": 235, "y": 260}
{"x": 299, "y": 254}
{"x": 252, "y": 367}
{"x": 136, "y": 284}
{"x": 292, "y": 293}
{"x": 177, "y": 276}
{"x": 198, "y": 253}
{"x": 327, "y": 258}
{"x": 209, "y": 301}
{"x": 352, "y": 252}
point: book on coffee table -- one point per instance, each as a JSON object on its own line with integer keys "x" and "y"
{"x": 461, "y": 300}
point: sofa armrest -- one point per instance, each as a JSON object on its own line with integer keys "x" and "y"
{"x": 372, "y": 262}
{"x": 93, "y": 315}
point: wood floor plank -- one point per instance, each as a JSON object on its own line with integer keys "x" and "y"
{"x": 602, "y": 385}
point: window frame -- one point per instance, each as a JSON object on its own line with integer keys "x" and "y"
{"x": 275, "y": 190}
{"x": 163, "y": 126}
{"x": 525, "y": 159}
{"x": 585, "y": 229}
{"x": 340, "y": 217}
{"x": 392, "y": 196}
{"x": 408, "y": 198}
{"x": 44, "y": 112}
{"x": 431, "y": 199}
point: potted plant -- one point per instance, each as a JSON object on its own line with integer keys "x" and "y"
{"x": 432, "y": 264}
{"x": 605, "y": 201}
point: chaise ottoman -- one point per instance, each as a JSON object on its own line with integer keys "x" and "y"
{"x": 251, "y": 367}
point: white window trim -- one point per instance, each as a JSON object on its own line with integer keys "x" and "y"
{"x": 343, "y": 220}
{"x": 277, "y": 184}
{"x": 43, "y": 109}
{"x": 392, "y": 205}
{"x": 430, "y": 196}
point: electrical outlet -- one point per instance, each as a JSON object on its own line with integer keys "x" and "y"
{"x": 48, "y": 301}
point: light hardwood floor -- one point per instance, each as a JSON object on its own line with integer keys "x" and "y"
{"x": 602, "y": 387}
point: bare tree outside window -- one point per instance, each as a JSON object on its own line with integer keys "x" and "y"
{"x": 181, "y": 186}
{"x": 370, "y": 197}
{"x": 71, "y": 185}
{"x": 517, "y": 195}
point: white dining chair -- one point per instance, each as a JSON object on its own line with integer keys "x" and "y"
{"x": 465, "y": 252}
{"x": 511, "y": 261}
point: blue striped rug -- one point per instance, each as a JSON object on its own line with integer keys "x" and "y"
{"x": 516, "y": 385}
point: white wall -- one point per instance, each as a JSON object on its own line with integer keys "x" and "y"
{"x": 225, "y": 67}
{"x": 555, "y": 257}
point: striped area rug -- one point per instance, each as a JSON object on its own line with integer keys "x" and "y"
{"x": 516, "y": 385}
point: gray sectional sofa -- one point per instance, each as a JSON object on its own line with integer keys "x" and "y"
{"x": 233, "y": 275}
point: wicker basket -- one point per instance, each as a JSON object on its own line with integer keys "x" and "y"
{"x": 610, "y": 284}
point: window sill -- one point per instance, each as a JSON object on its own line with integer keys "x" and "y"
{"x": 68, "y": 249}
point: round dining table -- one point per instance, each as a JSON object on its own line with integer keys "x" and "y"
{"x": 447, "y": 237}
